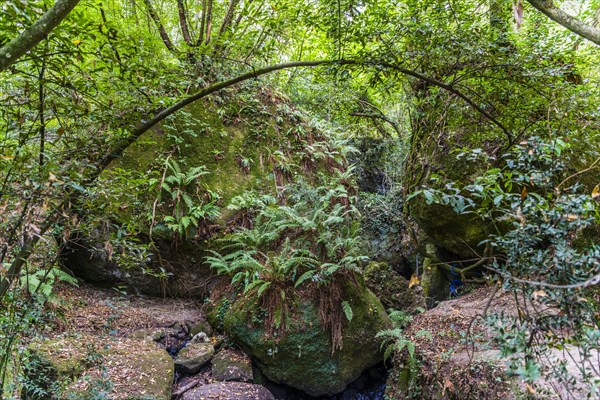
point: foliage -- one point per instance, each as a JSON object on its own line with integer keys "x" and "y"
{"x": 544, "y": 254}
{"x": 41, "y": 282}
{"x": 106, "y": 68}
{"x": 310, "y": 243}
{"x": 403, "y": 350}
{"x": 188, "y": 208}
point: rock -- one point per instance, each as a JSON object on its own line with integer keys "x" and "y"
{"x": 193, "y": 357}
{"x": 231, "y": 365}
{"x": 123, "y": 368}
{"x": 303, "y": 357}
{"x": 229, "y": 391}
{"x": 200, "y": 326}
{"x": 435, "y": 285}
{"x": 152, "y": 334}
{"x": 391, "y": 288}
{"x": 235, "y": 147}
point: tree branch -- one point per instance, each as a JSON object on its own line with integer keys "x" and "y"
{"x": 573, "y": 24}
{"x": 159, "y": 25}
{"x": 509, "y": 135}
{"x": 183, "y": 23}
{"x": 37, "y": 32}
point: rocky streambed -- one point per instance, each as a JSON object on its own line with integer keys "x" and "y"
{"x": 136, "y": 347}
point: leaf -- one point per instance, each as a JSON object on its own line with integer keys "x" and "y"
{"x": 414, "y": 280}
{"x": 524, "y": 193}
{"x": 303, "y": 277}
{"x": 596, "y": 192}
{"x": 347, "y": 310}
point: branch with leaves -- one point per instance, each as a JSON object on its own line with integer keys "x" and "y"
{"x": 37, "y": 32}
{"x": 548, "y": 8}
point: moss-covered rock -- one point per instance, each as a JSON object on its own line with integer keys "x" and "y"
{"x": 303, "y": 357}
{"x": 231, "y": 365}
{"x": 434, "y": 283}
{"x": 77, "y": 367}
{"x": 391, "y": 288}
{"x": 194, "y": 356}
{"x": 246, "y": 141}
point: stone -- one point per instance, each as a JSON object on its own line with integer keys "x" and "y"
{"x": 392, "y": 289}
{"x": 304, "y": 357}
{"x": 200, "y": 326}
{"x": 175, "y": 266}
{"x": 229, "y": 391}
{"x": 124, "y": 368}
{"x": 435, "y": 285}
{"x": 193, "y": 357}
{"x": 232, "y": 365}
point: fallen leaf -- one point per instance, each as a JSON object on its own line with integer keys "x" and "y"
{"x": 414, "y": 280}
{"x": 596, "y": 191}
{"x": 524, "y": 193}
{"x": 530, "y": 389}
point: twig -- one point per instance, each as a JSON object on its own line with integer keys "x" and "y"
{"x": 579, "y": 173}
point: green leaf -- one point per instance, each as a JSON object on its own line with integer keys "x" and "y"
{"x": 347, "y": 310}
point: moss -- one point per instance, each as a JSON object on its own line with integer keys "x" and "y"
{"x": 392, "y": 288}
{"x": 222, "y": 135}
{"x": 434, "y": 283}
{"x": 303, "y": 356}
{"x": 457, "y": 234}
{"x": 75, "y": 366}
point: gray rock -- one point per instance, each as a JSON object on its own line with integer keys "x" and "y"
{"x": 229, "y": 391}
{"x": 193, "y": 357}
{"x": 231, "y": 365}
{"x": 201, "y": 326}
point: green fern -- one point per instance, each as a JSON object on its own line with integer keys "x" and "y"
{"x": 347, "y": 310}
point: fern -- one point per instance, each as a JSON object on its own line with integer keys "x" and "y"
{"x": 347, "y": 310}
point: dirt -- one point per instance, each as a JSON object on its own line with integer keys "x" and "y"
{"x": 88, "y": 309}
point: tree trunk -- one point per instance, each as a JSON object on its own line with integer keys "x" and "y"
{"x": 183, "y": 23}
{"x": 161, "y": 29}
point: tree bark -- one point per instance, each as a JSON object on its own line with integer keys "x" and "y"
{"x": 37, "y": 32}
{"x": 573, "y": 24}
{"x": 161, "y": 29}
{"x": 183, "y": 23}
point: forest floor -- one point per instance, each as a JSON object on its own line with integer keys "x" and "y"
{"x": 88, "y": 309}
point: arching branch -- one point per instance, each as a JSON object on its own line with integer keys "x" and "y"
{"x": 449, "y": 88}
{"x": 37, "y": 32}
{"x": 72, "y": 195}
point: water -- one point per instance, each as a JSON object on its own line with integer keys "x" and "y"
{"x": 369, "y": 386}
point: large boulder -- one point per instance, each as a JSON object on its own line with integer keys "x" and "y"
{"x": 247, "y": 143}
{"x": 392, "y": 288}
{"x": 303, "y": 357}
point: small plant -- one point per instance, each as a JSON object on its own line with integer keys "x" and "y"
{"x": 188, "y": 207}
{"x": 294, "y": 247}
{"x": 41, "y": 283}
